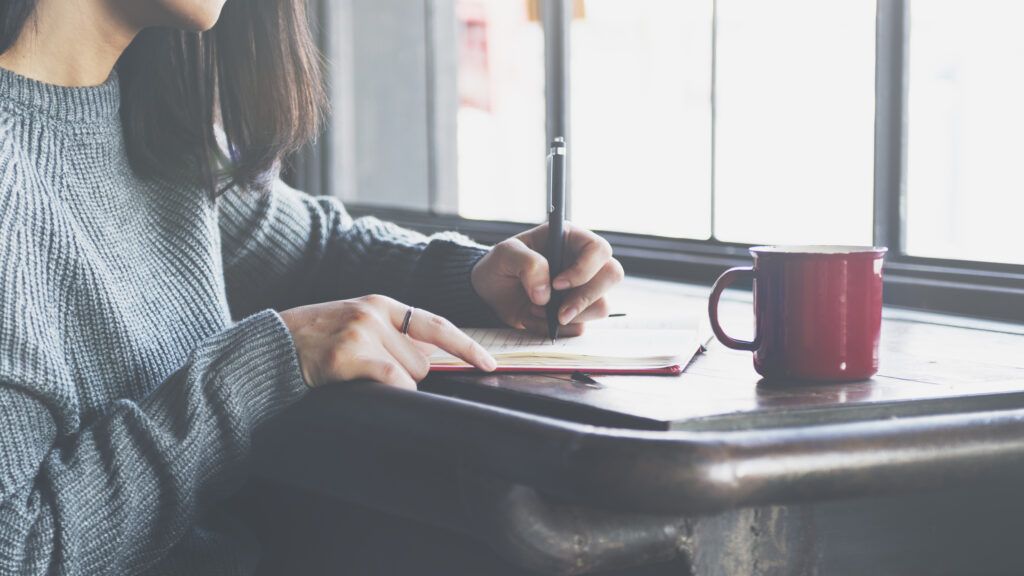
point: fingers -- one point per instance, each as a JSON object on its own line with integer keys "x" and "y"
{"x": 411, "y": 358}
{"x": 529, "y": 266}
{"x": 584, "y": 297}
{"x": 597, "y": 311}
{"x": 424, "y": 348}
{"x": 592, "y": 254}
{"x": 433, "y": 329}
{"x": 381, "y": 367}
{"x": 540, "y": 327}
{"x": 360, "y": 339}
{"x": 358, "y": 352}
{"x": 403, "y": 349}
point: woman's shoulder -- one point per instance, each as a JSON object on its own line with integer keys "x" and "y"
{"x": 20, "y": 144}
{"x": 10, "y": 166}
{"x": 9, "y": 137}
{"x": 19, "y": 177}
{"x": 29, "y": 347}
{"x": 13, "y": 152}
{"x": 24, "y": 210}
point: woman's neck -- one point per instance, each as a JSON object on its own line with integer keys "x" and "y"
{"x": 71, "y": 43}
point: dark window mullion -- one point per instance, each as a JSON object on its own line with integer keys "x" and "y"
{"x": 891, "y": 125}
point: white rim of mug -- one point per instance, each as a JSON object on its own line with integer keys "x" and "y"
{"x": 818, "y": 250}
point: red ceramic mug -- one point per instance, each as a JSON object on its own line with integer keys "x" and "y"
{"x": 817, "y": 309}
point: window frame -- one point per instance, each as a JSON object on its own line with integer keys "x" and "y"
{"x": 970, "y": 288}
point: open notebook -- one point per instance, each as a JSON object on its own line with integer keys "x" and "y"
{"x": 601, "y": 350}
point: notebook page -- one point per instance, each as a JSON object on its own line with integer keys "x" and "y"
{"x": 598, "y": 346}
{"x": 669, "y": 319}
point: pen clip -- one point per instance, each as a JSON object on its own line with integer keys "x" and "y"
{"x": 557, "y": 149}
{"x": 551, "y": 180}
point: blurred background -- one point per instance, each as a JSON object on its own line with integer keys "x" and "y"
{"x": 714, "y": 124}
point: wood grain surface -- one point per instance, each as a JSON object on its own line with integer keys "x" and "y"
{"x": 929, "y": 364}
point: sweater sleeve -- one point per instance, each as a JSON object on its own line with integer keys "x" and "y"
{"x": 283, "y": 248}
{"x": 114, "y": 497}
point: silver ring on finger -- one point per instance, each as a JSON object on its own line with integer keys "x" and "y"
{"x": 407, "y": 320}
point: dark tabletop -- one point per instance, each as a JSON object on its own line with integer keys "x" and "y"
{"x": 929, "y": 364}
{"x": 570, "y": 461}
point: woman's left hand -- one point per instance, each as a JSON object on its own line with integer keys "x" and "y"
{"x": 513, "y": 279}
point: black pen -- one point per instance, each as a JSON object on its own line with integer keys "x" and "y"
{"x": 556, "y": 227}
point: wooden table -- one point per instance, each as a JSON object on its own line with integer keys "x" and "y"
{"x": 930, "y": 364}
{"x": 716, "y": 472}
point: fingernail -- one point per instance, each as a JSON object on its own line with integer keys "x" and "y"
{"x": 568, "y": 315}
{"x": 487, "y": 361}
{"x": 540, "y": 293}
{"x": 561, "y": 284}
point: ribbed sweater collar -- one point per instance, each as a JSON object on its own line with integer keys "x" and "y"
{"x": 76, "y": 105}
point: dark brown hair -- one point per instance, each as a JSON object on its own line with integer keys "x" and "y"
{"x": 256, "y": 75}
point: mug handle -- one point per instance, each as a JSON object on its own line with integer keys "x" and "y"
{"x": 723, "y": 282}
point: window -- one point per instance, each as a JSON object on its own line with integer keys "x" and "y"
{"x": 965, "y": 164}
{"x": 698, "y": 128}
{"x": 795, "y": 121}
{"x": 501, "y": 111}
{"x": 641, "y": 117}
{"x": 641, "y": 90}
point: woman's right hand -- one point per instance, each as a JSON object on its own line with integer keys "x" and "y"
{"x": 362, "y": 339}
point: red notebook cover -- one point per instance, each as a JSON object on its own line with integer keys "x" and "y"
{"x": 673, "y": 370}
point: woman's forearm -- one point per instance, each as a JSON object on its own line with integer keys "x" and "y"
{"x": 284, "y": 248}
{"x": 115, "y": 496}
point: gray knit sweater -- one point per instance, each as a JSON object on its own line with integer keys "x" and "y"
{"x": 128, "y": 396}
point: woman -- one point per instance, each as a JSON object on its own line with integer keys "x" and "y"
{"x": 140, "y": 214}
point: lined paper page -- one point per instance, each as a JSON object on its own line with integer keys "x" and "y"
{"x": 596, "y": 348}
